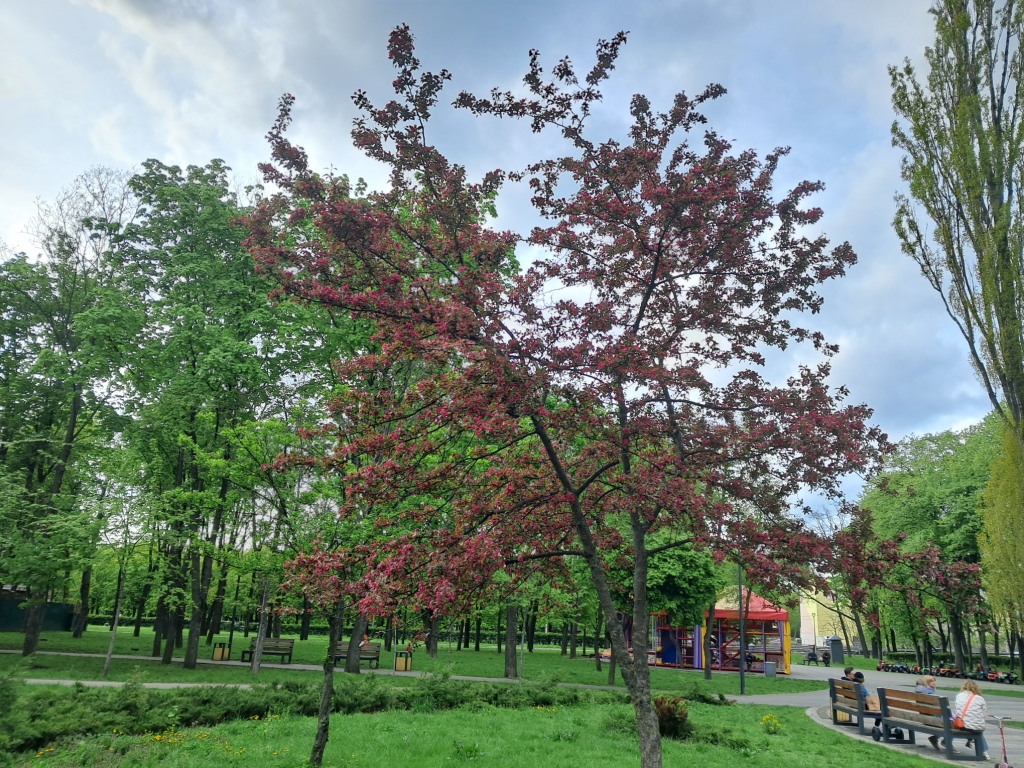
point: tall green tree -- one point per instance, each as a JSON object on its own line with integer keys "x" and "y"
{"x": 66, "y": 337}
{"x": 1002, "y": 540}
{"x": 927, "y": 497}
{"x": 962, "y": 219}
{"x": 206, "y": 365}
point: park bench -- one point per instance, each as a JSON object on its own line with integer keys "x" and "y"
{"x": 925, "y": 713}
{"x": 368, "y": 653}
{"x": 848, "y": 697}
{"x": 811, "y": 657}
{"x": 272, "y": 647}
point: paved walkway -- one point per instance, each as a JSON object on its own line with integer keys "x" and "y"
{"x": 814, "y": 703}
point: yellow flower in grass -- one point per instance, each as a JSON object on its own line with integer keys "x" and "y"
{"x": 770, "y": 724}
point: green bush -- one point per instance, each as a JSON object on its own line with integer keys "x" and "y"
{"x": 673, "y": 717}
{"x": 30, "y": 719}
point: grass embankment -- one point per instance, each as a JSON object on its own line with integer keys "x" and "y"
{"x": 596, "y": 736}
{"x": 545, "y": 664}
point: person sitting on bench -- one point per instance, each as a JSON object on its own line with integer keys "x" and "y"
{"x": 812, "y": 655}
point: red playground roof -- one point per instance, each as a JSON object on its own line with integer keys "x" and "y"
{"x": 760, "y": 610}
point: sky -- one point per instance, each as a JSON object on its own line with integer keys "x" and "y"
{"x": 115, "y": 82}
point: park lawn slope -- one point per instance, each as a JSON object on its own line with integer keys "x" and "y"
{"x": 596, "y": 736}
{"x": 544, "y": 665}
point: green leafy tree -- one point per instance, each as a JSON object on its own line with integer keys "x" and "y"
{"x": 65, "y": 336}
{"x": 962, "y": 221}
{"x": 928, "y": 495}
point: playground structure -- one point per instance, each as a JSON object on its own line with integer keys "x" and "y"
{"x": 767, "y": 635}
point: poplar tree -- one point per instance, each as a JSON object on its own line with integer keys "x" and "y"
{"x": 961, "y": 218}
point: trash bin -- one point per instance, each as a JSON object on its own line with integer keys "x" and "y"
{"x": 221, "y": 652}
{"x": 769, "y": 669}
{"x": 403, "y": 661}
{"x": 835, "y": 647}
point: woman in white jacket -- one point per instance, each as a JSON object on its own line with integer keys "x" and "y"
{"x": 972, "y": 708}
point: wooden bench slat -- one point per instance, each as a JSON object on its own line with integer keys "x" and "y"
{"x": 922, "y": 712}
{"x": 273, "y": 646}
{"x": 369, "y": 653}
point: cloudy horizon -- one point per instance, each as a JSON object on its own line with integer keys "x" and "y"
{"x": 114, "y": 82}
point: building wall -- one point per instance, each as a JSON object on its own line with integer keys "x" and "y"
{"x": 816, "y": 621}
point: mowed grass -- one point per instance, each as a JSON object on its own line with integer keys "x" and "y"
{"x": 147, "y": 671}
{"x": 545, "y": 664}
{"x": 596, "y": 736}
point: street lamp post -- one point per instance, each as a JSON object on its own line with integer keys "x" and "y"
{"x": 743, "y": 634}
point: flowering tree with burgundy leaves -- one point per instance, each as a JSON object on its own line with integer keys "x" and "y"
{"x": 611, "y": 390}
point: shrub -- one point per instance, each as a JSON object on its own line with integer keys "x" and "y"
{"x": 32, "y": 720}
{"x": 724, "y": 737}
{"x": 673, "y": 717}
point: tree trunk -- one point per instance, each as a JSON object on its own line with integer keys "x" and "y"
{"x": 114, "y": 622}
{"x": 261, "y": 632}
{"x": 179, "y": 628}
{"x": 635, "y": 672}
{"x": 217, "y": 612}
{"x": 323, "y": 718}
{"x": 982, "y": 650}
{"x": 352, "y": 654}
{"x": 498, "y": 631}
{"x": 82, "y": 617}
{"x": 611, "y": 664}
{"x": 195, "y": 625}
{"x": 858, "y": 623}
{"x": 476, "y": 640}
{"x": 511, "y": 628}
{"x": 597, "y": 648}
{"x": 458, "y": 645}
{"x": 531, "y": 625}
{"x": 34, "y": 624}
{"x": 465, "y": 639}
{"x": 573, "y": 632}
{"x": 307, "y": 616}
{"x": 957, "y": 636}
{"x": 159, "y": 626}
{"x": 147, "y": 588}
{"x": 171, "y": 636}
{"x": 1020, "y": 652}
{"x": 708, "y": 649}
{"x": 140, "y": 608}
{"x": 432, "y": 632}
{"x": 846, "y": 634}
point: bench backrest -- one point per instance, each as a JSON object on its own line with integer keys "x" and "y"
{"x": 920, "y": 707}
{"x": 846, "y": 692}
{"x": 274, "y": 644}
{"x": 342, "y": 647}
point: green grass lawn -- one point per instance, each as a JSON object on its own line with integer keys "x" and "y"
{"x": 96, "y": 639}
{"x": 545, "y": 664}
{"x": 596, "y": 736}
{"x": 148, "y": 671}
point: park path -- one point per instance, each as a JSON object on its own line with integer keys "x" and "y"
{"x": 814, "y": 703}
